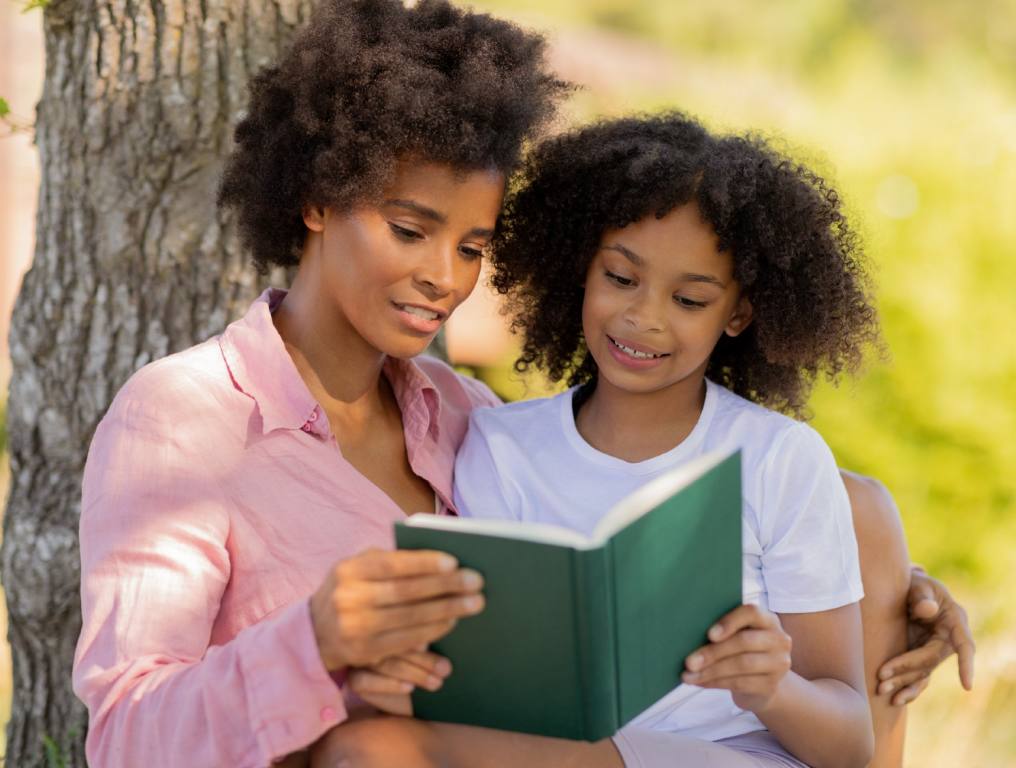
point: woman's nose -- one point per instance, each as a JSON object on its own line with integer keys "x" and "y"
{"x": 436, "y": 272}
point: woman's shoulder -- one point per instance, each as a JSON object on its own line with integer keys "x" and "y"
{"x": 193, "y": 383}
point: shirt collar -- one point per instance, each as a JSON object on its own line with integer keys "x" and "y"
{"x": 262, "y": 369}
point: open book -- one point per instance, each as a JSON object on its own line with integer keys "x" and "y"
{"x": 581, "y": 634}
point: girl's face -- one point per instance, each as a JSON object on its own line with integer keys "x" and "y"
{"x": 659, "y": 295}
{"x": 395, "y": 271}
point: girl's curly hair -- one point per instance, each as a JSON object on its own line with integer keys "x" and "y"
{"x": 795, "y": 256}
{"x": 368, "y": 82}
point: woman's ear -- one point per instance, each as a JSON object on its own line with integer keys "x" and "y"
{"x": 741, "y": 318}
{"x": 314, "y": 218}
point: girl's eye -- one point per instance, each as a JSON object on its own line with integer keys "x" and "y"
{"x": 689, "y": 303}
{"x": 623, "y": 281}
{"x": 404, "y": 233}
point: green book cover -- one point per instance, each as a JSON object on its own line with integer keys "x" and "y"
{"x": 581, "y": 634}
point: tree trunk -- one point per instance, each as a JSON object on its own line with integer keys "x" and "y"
{"x": 132, "y": 262}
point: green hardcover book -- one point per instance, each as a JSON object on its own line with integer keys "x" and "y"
{"x": 581, "y": 634}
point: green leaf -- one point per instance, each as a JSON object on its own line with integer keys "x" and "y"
{"x": 31, "y": 5}
{"x": 5, "y": 108}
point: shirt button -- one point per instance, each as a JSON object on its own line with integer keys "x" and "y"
{"x": 305, "y": 427}
{"x": 313, "y": 416}
{"x": 328, "y": 715}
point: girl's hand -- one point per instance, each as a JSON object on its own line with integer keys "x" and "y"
{"x": 937, "y": 629}
{"x": 749, "y": 655}
{"x": 387, "y": 684}
{"x": 381, "y": 604}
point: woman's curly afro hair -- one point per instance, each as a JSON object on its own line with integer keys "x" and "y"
{"x": 369, "y": 82}
{"x": 795, "y": 257}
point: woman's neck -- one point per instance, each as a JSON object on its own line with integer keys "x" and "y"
{"x": 341, "y": 370}
{"x": 636, "y": 426}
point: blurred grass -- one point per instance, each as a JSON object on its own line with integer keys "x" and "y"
{"x": 910, "y": 108}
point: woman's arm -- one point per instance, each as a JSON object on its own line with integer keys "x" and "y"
{"x": 155, "y": 565}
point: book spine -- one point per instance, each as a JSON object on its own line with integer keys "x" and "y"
{"x": 596, "y": 647}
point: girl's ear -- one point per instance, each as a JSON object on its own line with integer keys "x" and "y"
{"x": 314, "y": 218}
{"x": 741, "y": 318}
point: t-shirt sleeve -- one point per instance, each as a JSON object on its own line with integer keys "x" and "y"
{"x": 480, "y": 489}
{"x": 809, "y": 551}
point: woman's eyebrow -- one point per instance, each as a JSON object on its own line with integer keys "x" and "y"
{"x": 422, "y": 210}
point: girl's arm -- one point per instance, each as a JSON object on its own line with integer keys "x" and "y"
{"x": 804, "y": 680}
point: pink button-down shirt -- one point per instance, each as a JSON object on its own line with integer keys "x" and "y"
{"x": 215, "y": 500}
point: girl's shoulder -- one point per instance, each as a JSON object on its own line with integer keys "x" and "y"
{"x": 766, "y": 437}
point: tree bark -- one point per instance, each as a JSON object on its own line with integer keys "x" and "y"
{"x": 132, "y": 262}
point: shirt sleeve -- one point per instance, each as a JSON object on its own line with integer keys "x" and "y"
{"x": 480, "y": 489}
{"x": 809, "y": 551}
{"x": 154, "y": 566}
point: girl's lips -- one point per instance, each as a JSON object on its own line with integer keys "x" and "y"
{"x": 634, "y": 363}
{"x": 417, "y": 323}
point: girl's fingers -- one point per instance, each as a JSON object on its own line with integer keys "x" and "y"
{"x": 963, "y": 641}
{"x": 910, "y": 693}
{"x": 741, "y": 683}
{"x": 745, "y": 641}
{"x": 900, "y": 681}
{"x": 739, "y": 618}
{"x": 743, "y": 664}
{"x": 366, "y": 682}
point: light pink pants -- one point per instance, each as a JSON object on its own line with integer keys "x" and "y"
{"x": 644, "y": 748}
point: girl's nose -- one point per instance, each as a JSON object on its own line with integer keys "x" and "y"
{"x": 643, "y": 315}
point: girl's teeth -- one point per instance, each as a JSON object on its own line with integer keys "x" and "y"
{"x": 634, "y": 352}
{"x": 425, "y": 314}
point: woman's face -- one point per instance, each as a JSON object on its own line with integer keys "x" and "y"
{"x": 396, "y": 270}
{"x": 659, "y": 294}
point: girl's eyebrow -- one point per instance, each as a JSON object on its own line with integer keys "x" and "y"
{"x": 691, "y": 277}
{"x": 633, "y": 257}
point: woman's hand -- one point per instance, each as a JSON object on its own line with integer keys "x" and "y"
{"x": 382, "y": 604}
{"x": 749, "y": 655}
{"x": 937, "y": 629}
{"x": 387, "y": 684}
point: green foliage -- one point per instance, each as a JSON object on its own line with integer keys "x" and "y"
{"x": 31, "y": 5}
{"x": 5, "y": 108}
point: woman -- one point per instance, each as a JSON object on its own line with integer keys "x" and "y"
{"x": 226, "y": 481}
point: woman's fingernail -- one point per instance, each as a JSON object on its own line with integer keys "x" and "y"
{"x": 433, "y": 683}
{"x": 472, "y": 603}
{"x": 471, "y": 580}
{"x": 406, "y": 687}
{"x": 695, "y": 661}
{"x": 885, "y": 674}
{"x": 443, "y": 667}
{"x": 447, "y": 563}
{"x": 715, "y": 632}
{"x": 886, "y": 688}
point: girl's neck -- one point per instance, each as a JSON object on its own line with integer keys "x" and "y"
{"x": 341, "y": 370}
{"x": 636, "y": 426}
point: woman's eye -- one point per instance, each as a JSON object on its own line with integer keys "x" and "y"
{"x": 689, "y": 303}
{"x": 404, "y": 233}
{"x": 471, "y": 252}
{"x": 618, "y": 279}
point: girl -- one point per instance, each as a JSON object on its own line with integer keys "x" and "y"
{"x": 689, "y": 287}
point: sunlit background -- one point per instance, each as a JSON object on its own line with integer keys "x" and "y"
{"x": 910, "y": 108}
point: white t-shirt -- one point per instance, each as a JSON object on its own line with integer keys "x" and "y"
{"x": 527, "y": 461}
